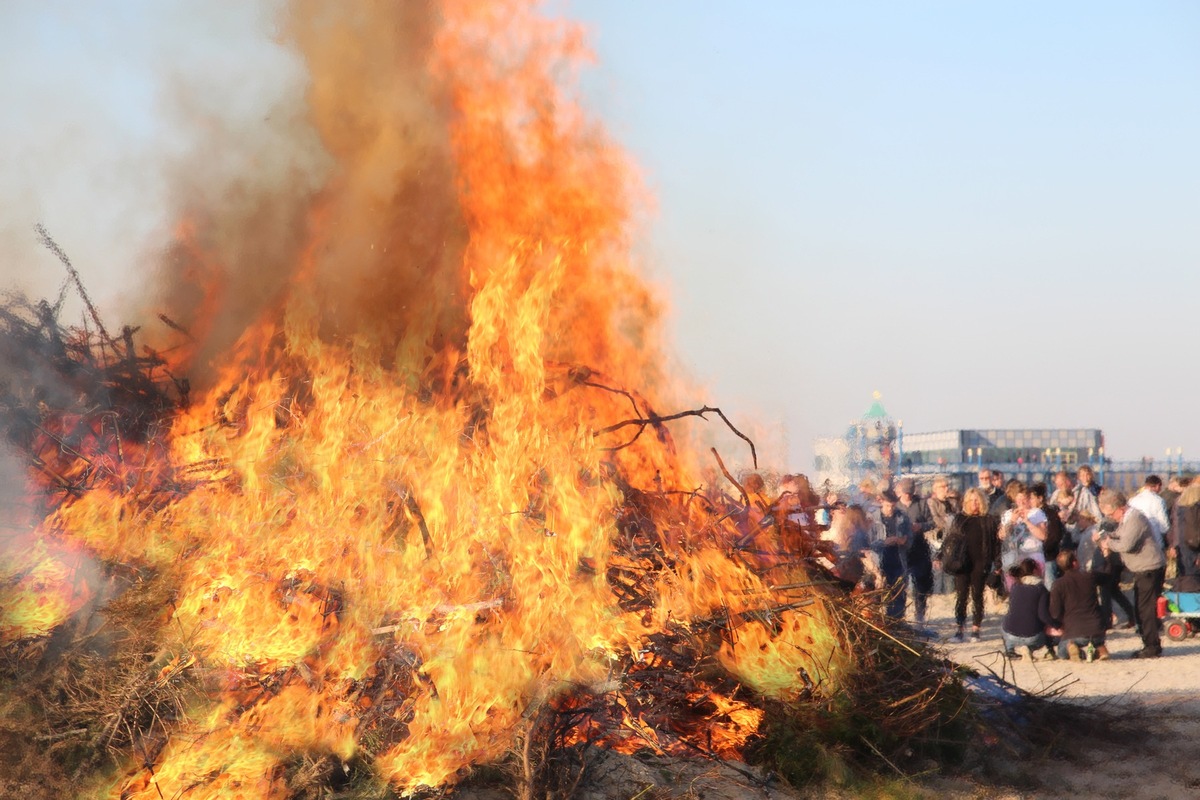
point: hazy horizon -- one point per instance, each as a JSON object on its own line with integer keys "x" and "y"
{"x": 986, "y": 212}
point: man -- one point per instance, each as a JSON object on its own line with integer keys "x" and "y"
{"x": 998, "y": 501}
{"x": 1134, "y": 539}
{"x": 985, "y": 482}
{"x": 1073, "y": 604}
{"x": 1063, "y": 483}
{"x": 941, "y": 508}
{"x": 1153, "y": 507}
{"x": 920, "y": 557}
{"x": 893, "y": 533}
{"x": 1171, "y": 493}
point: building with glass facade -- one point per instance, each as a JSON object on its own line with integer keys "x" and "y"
{"x": 1045, "y": 447}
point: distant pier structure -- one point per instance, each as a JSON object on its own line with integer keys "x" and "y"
{"x": 876, "y": 447}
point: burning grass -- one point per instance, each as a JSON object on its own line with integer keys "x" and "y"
{"x": 744, "y": 650}
{"x": 135, "y": 671}
{"x": 424, "y": 518}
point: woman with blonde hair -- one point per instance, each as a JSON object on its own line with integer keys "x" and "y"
{"x": 974, "y": 537}
{"x": 850, "y": 534}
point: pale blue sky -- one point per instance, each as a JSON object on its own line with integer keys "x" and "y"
{"x": 988, "y": 211}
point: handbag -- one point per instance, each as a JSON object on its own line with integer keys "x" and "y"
{"x": 954, "y": 550}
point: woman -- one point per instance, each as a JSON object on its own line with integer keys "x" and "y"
{"x": 1056, "y": 535}
{"x": 1028, "y": 615}
{"x": 982, "y": 547}
{"x": 1022, "y": 532}
{"x": 850, "y": 534}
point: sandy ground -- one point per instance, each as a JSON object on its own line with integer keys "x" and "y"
{"x": 1166, "y": 690}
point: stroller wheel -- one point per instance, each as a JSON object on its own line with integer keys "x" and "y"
{"x": 1177, "y": 630}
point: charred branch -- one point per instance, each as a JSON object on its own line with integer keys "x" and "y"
{"x": 657, "y": 420}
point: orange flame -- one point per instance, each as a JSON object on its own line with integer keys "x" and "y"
{"x": 392, "y": 518}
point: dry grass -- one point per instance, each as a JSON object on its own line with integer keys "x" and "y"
{"x": 106, "y": 685}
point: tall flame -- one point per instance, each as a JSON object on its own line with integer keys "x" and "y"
{"x": 400, "y": 476}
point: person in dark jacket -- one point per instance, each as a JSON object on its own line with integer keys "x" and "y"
{"x": 920, "y": 556}
{"x": 893, "y": 533}
{"x": 999, "y": 499}
{"x": 1074, "y": 606}
{"x": 1028, "y": 614}
{"x": 1186, "y": 526}
{"x": 982, "y": 550}
{"x": 1056, "y": 534}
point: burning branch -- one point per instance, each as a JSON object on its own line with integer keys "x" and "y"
{"x": 656, "y": 421}
{"x": 52, "y": 246}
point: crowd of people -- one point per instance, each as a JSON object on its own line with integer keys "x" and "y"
{"x": 1058, "y": 554}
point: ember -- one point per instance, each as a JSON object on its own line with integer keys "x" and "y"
{"x": 422, "y": 512}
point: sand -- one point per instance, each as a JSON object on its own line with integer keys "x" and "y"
{"x": 1166, "y": 689}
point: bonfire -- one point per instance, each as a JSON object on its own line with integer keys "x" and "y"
{"x": 428, "y": 503}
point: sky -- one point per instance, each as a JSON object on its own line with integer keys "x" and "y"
{"x": 989, "y": 212}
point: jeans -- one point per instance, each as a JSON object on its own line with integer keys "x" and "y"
{"x": 922, "y": 586}
{"x": 896, "y": 596}
{"x": 1012, "y": 642}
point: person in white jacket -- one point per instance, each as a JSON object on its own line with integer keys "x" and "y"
{"x": 1153, "y": 507}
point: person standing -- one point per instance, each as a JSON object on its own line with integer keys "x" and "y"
{"x": 1063, "y": 482}
{"x": 893, "y": 533}
{"x": 1171, "y": 493}
{"x": 1108, "y": 573}
{"x": 1000, "y": 499}
{"x": 981, "y": 548}
{"x": 1087, "y": 479}
{"x": 1022, "y": 532}
{"x": 920, "y": 556}
{"x": 991, "y": 490}
{"x": 1056, "y": 534}
{"x": 1143, "y": 556}
{"x": 1086, "y": 492}
{"x": 1186, "y": 531}
{"x": 941, "y": 509}
{"x": 849, "y": 537}
{"x": 1153, "y": 507}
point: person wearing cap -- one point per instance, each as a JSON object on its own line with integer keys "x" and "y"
{"x": 920, "y": 556}
{"x": 893, "y": 532}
